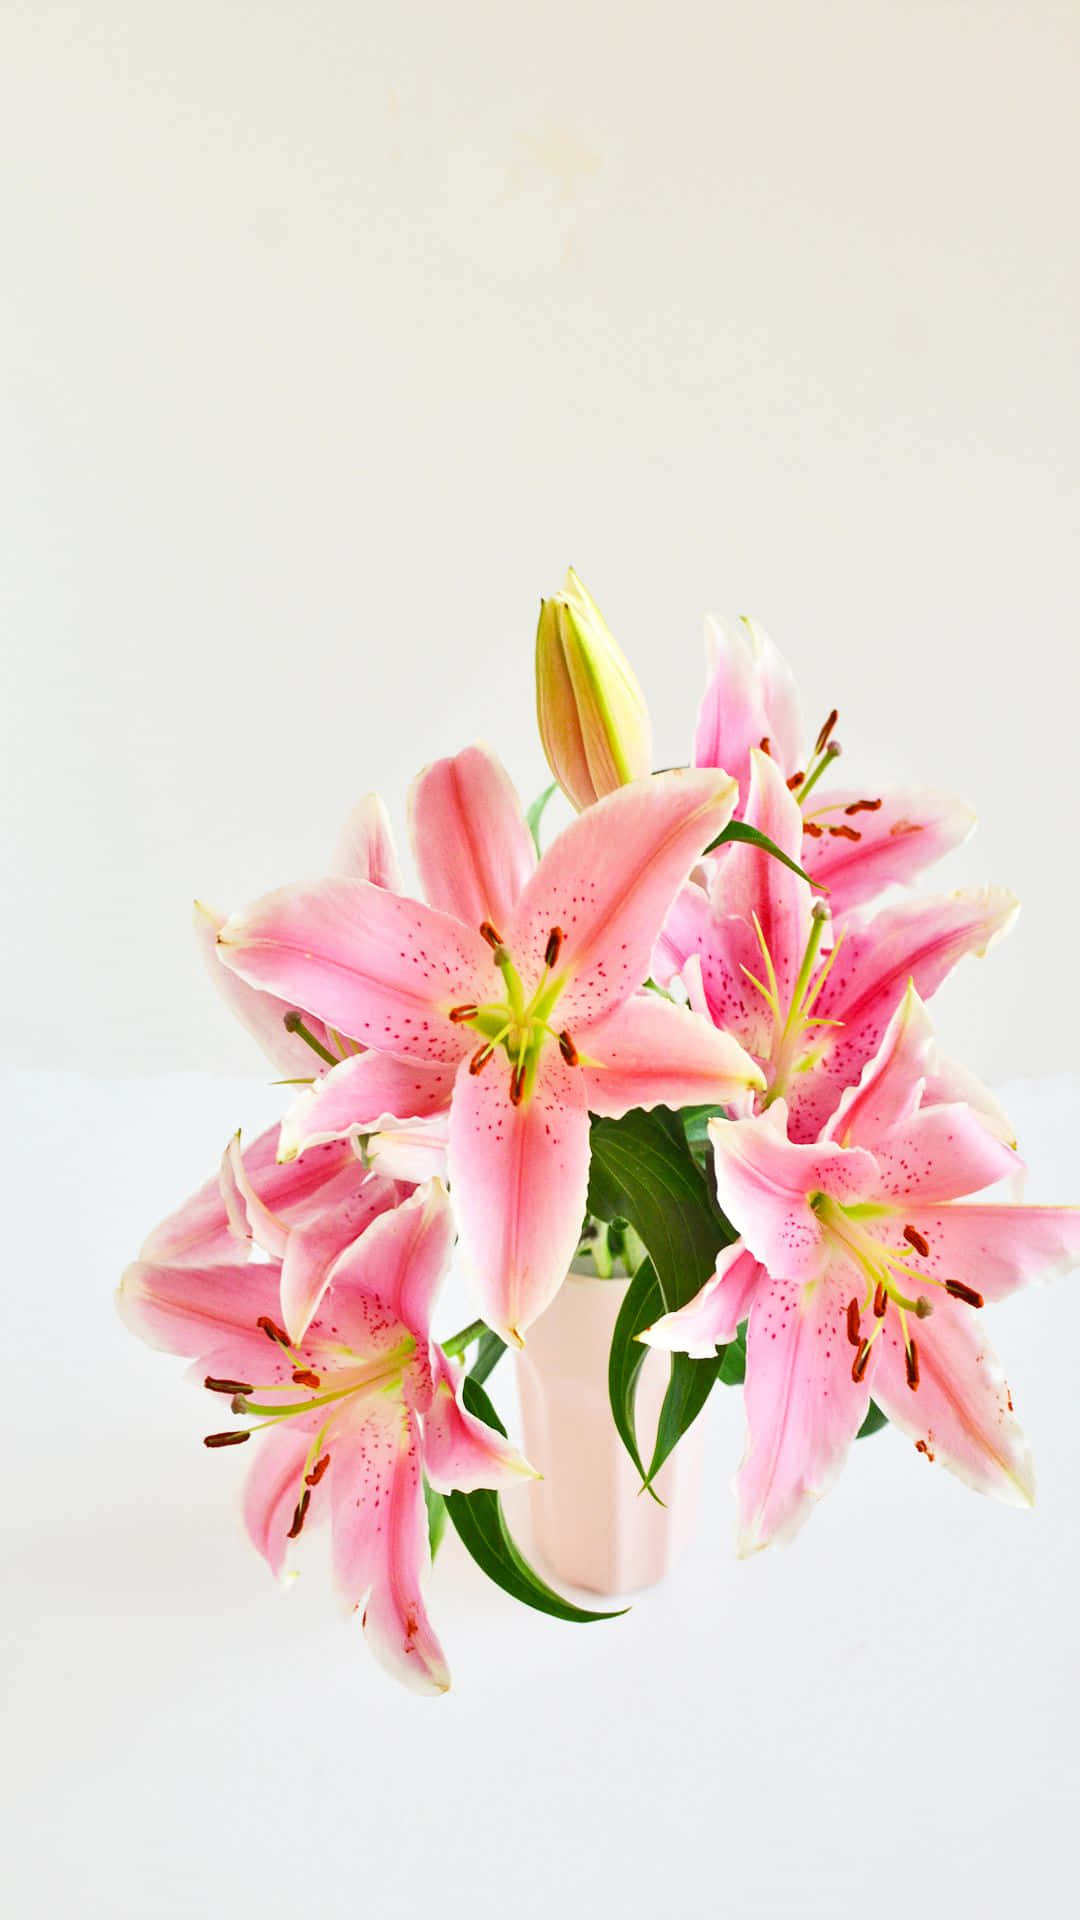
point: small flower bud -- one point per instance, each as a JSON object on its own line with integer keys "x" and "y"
{"x": 594, "y": 723}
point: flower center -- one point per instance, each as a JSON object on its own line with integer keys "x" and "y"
{"x": 520, "y": 1025}
{"x": 789, "y": 1051}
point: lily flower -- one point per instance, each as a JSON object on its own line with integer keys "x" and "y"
{"x": 521, "y": 986}
{"x": 862, "y": 1268}
{"x": 855, "y": 841}
{"x": 350, "y": 1418}
{"x": 809, "y": 1001}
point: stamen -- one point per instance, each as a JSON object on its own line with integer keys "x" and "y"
{"x": 917, "y": 1240}
{"x": 844, "y": 833}
{"x": 300, "y": 1515}
{"x": 822, "y": 740}
{"x": 312, "y": 1479}
{"x": 854, "y": 1332}
{"x": 293, "y": 1022}
{"x": 567, "y": 1049}
{"x": 234, "y": 1439}
{"x": 227, "y": 1386}
{"x": 766, "y": 745}
{"x": 863, "y": 806}
{"x": 554, "y": 942}
{"x": 481, "y": 1057}
{"x": 811, "y": 827}
{"x": 911, "y": 1362}
{"x": 303, "y": 1377}
{"x": 861, "y": 1360}
{"x": 922, "y": 1308}
{"x": 517, "y": 1084}
{"x": 458, "y": 1014}
{"x": 960, "y": 1292}
{"x": 881, "y": 1300}
{"x": 493, "y": 939}
{"x": 795, "y": 780}
{"x": 272, "y": 1331}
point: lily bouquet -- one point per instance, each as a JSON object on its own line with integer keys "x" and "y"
{"x": 681, "y": 1040}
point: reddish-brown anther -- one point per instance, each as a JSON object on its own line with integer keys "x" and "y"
{"x": 917, "y": 1240}
{"x": 854, "y": 1332}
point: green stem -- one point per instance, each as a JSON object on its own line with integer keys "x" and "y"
{"x": 458, "y": 1342}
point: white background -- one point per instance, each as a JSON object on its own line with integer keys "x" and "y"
{"x": 330, "y": 333}
{"x": 333, "y": 331}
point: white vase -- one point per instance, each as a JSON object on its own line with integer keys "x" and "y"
{"x": 588, "y": 1519}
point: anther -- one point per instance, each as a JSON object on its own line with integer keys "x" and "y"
{"x": 795, "y": 780}
{"x": 911, "y": 1362}
{"x": 861, "y": 1360}
{"x": 863, "y": 806}
{"x": 303, "y": 1377}
{"x": 517, "y": 1085}
{"x": 881, "y": 1300}
{"x": 811, "y": 827}
{"x": 300, "y": 1514}
{"x": 960, "y": 1292}
{"x": 554, "y": 942}
{"x": 917, "y": 1240}
{"x": 226, "y": 1386}
{"x": 854, "y": 1332}
{"x": 312, "y": 1479}
{"x": 272, "y": 1331}
{"x": 567, "y": 1049}
{"x": 458, "y": 1014}
{"x": 234, "y": 1439}
{"x": 481, "y": 1057}
{"x": 822, "y": 740}
{"x": 845, "y": 833}
{"x": 493, "y": 939}
{"x": 923, "y": 1309}
{"x": 766, "y": 745}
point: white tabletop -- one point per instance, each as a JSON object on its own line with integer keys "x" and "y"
{"x": 880, "y": 1719}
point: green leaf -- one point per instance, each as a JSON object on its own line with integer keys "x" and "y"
{"x": 642, "y": 1168}
{"x": 738, "y": 830}
{"x": 733, "y": 1366}
{"x": 875, "y": 1419}
{"x": 479, "y": 1521}
{"x": 536, "y": 813}
{"x": 436, "y": 1517}
{"x": 489, "y": 1352}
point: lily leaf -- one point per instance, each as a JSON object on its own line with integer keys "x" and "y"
{"x": 738, "y": 830}
{"x": 874, "y": 1421}
{"x": 481, "y": 1526}
{"x": 536, "y": 813}
{"x": 436, "y": 1517}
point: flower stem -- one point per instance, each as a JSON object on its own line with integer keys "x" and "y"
{"x": 458, "y": 1342}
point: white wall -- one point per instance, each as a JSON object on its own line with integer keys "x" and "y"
{"x": 332, "y": 331}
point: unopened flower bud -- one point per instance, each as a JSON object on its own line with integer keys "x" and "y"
{"x": 593, "y": 720}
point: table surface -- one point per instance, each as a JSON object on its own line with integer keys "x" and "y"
{"x": 880, "y": 1718}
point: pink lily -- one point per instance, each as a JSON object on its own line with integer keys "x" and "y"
{"x": 855, "y": 842}
{"x": 861, "y": 1268}
{"x": 355, "y": 1414}
{"x": 761, "y": 960}
{"x": 521, "y": 986}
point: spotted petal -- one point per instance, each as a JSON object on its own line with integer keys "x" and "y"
{"x": 461, "y": 1452}
{"x": 473, "y": 849}
{"x": 651, "y": 1053}
{"x": 362, "y": 1095}
{"x": 764, "y": 1183}
{"x": 899, "y": 836}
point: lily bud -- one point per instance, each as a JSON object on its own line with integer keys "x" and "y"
{"x": 593, "y": 720}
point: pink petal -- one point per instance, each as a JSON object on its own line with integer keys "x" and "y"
{"x": 199, "y": 1231}
{"x": 461, "y": 1452}
{"x": 764, "y": 1180}
{"x": 650, "y": 1052}
{"x": 961, "y": 1412}
{"x": 262, "y": 1014}
{"x": 365, "y": 850}
{"x": 411, "y": 1151}
{"x": 473, "y": 849}
{"x": 941, "y": 1153}
{"x": 947, "y": 1081}
{"x": 803, "y": 1409}
{"x": 750, "y": 884}
{"x": 401, "y": 1260}
{"x": 361, "y": 1096}
{"x": 519, "y": 1177}
{"x": 892, "y": 1083}
{"x": 996, "y": 1249}
{"x": 713, "y": 1316}
{"x": 750, "y": 696}
{"x": 380, "y": 1539}
{"x": 311, "y": 1250}
{"x": 377, "y": 966}
{"x": 246, "y": 1207}
{"x": 198, "y": 1309}
{"x": 271, "y": 1492}
{"x": 608, "y": 881}
{"x": 903, "y": 836}
{"x": 719, "y": 949}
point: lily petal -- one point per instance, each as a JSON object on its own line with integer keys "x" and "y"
{"x": 713, "y": 1316}
{"x": 996, "y": 1249}
{"x": 961, "y": 1413}
{"x": 261, "y": 1014}
{"x": 750, "y": 696}
{"x": 411, "y": 1151}
{"x": 381, "y": 968}
{"x": 362, "y": 1095}
{"x": 901, "y": 835}
{"x": 519, "y": 1177}
{"x": 610, "y": 911}
{"x": 311, "y": 1251}
{"x": 461, "y": 1452}
{"x": 472, "y": 846}
{"x": 366, "y": 849}
{"x": 941, "y": 1153}
{"x": 892, "y": 1083}
{"x": 380, "y": 1539}
{"x": 803, "y": 1409}
{"x": 709, "y": 955}
{"x": 196, "y": 1310}
{"x": 650, "y": 1053}
{"x": 271, "y": 1491}
{"x": 401, "y": 1259}
{"x": 199, "y": 1232}
{"x": 764, "y": 1182}
{"x": 750, "y": 884}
